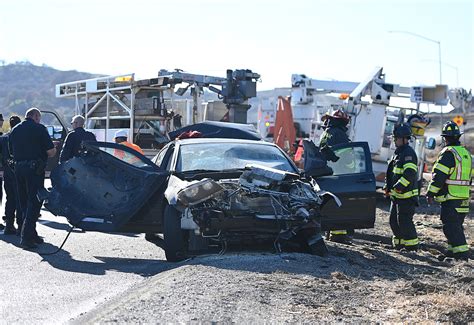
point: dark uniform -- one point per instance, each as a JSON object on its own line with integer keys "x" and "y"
{"x": 1, "y": 179}
{"x": 402, "y": 184}
{"x": 29, "y": 142}
{"x": 1, "y": 190}
{"x": 335, "y": 133}
{"x": 11, "y": 211}
{"x": 450, "y": 185}
{"x": 73, "y": 141}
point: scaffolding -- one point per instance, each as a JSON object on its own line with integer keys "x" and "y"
{"x": 104, "y": 101}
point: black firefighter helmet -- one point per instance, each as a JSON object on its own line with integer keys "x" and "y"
{"x": 451, "y": 129}
{"x": 402, "y": 131}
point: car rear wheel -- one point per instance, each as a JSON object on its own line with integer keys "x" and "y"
{"x": 175, "y": 244}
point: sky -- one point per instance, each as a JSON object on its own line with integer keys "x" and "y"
{"x": 340, "y": 40}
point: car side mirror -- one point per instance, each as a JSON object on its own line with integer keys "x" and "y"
{"x": 58, "y": 135}
{"x": 431, "y": 144}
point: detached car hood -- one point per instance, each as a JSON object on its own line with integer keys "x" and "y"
{"x": 97, "y": 191}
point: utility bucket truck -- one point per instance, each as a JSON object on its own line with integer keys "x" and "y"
{"x": 373, "y": 110}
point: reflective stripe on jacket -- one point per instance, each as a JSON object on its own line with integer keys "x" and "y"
{"x": 456, "y": 183}
{"x": 402, "y": 176}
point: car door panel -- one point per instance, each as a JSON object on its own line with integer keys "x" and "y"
{"x": 149, "y": 218}
{"x": 353, "y": 182}
{"x": 99, "y": 192}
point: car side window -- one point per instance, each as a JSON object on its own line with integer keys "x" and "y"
{"x": 351, "y": 161}
{"x": 168, "y": 157}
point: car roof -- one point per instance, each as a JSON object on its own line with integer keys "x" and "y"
{"x": 222, "y": 140}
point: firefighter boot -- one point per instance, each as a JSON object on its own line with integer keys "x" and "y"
{"x": 397, "y": 243}
{"x": 9, "y": 229}
{"x": 340, "y": 236}
{"x": 463, "y": 256}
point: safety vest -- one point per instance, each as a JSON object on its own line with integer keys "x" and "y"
{"x": 459, "y": 180}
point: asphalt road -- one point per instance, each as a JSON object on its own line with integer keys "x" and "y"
{"x": 89, "y": 270}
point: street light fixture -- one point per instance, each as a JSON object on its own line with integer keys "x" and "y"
{"x": 427, "y": 39}
{"x": 449, "y": 66}
{"x": 439, "y": 55}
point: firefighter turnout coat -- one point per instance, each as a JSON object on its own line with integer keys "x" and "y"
{"x": 401, "y": 178}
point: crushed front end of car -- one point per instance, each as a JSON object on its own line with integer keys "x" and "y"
{"x": 263, "y": 203}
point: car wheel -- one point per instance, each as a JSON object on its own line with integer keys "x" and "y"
{"x": 174, "y": 239}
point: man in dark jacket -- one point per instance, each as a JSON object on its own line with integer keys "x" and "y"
{"x": 30, "y": 145}
{"x": 1, "y": 190}
{"x": 401, "y": 184}
{"x": 74, "y": 139}
{"x": 10, "y": 183}
{"x": 335, "y": 132}
{"x": 450, "y": 186}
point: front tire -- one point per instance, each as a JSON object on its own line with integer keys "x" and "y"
{"x": 175, "y": 244}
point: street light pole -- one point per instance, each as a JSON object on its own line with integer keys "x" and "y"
{"x": 439, "y": 55}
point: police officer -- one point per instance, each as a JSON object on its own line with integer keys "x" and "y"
{"x": 31, "y": 146}
{"x": 450, "y": 185}
{"x": 1, "y": 180}
{"x": 10, "y": 183}
{"x": 335, "y": 132}
{"x": 401, "y": 184}
{"x": 74, "y": 139}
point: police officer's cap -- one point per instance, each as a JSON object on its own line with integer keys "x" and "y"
{"x": 401, "y": 131}
{"x": 451, "y": 129}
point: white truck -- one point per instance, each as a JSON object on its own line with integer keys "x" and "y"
{"x": 370, "y": 105}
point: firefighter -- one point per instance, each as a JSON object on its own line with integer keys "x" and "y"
{"x": 450, "y": 186}
{"x": 335, "y": 129}
{"x": 401, "y": 185}
{"x": 335, "y": 132}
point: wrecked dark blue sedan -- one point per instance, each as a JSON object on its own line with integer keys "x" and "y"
{"x": 203, "y": 191}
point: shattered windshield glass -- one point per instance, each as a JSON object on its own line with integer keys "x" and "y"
{"x": 224, "y": 156}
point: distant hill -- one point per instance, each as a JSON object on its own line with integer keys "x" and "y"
{"x": 24, "y": 85}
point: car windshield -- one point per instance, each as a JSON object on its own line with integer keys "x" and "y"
{"x": 226, "y": 155}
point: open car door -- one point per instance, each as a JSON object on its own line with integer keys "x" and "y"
{"x": 103, "y": 188}
{"x": 58, "y": 131}
{"x": 353, "y": 181}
